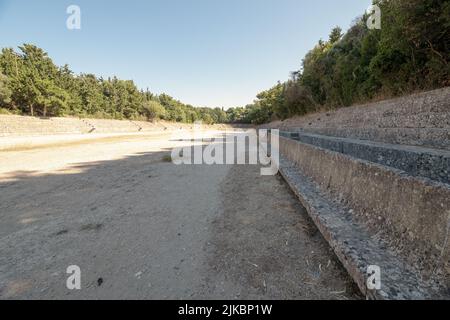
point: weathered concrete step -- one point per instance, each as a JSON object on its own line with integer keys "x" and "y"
{"x": 416, "y": 161}
{"x": 425, "y": 137}
{"x": 353, "y": 245}
{"x": 409, "y": 215}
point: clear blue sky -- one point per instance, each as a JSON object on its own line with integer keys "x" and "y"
{"x": 203, "y": 52}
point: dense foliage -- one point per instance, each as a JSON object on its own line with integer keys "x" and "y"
{"x": 30, "y": 83}
{"x": 410, "y": 53}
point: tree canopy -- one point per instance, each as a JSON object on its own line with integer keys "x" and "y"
{"x": 409, "y": 53}
{"x": 31, "y": 84}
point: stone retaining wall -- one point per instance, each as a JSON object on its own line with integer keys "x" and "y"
{"x": 421, "y": 119}
{"x": 16, "y": 126}
{"x": 410, "y": 215}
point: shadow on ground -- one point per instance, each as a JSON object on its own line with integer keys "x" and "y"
{"x": 142, "y": 228}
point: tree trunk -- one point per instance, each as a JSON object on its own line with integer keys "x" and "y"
{"x": 32, "y": 110}
{"x": 45, "y": 111}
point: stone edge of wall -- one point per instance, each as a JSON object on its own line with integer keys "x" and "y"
{"x": 389, "y": 203}
{"x": 20, "y": 126}
{"x": 421, "y": 119}
{"x": 416, "y": 161}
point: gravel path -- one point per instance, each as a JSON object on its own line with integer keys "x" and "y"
{"x": 142, "y": 228}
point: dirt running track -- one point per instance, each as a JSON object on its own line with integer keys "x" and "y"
{"x": 142, "y": 228}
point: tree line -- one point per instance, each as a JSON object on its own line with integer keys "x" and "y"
{"x": 31, "y": 84}
{"x": 410, "y": 52}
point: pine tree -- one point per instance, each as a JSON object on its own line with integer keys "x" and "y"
{"x": 5, "y": 92}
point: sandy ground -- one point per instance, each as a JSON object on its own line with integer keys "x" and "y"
{"x": 142, "y": 228}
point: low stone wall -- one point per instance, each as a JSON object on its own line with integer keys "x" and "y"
{"x": 21, "y": 132}
{"x": 16, "y": 126}
{"x": 416, "y": 161}
{"x": 375, "y": 179}
{"x": 409, "y": 215}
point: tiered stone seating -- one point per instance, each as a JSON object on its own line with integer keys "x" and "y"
{"x": 11, "y": 125}
{"x": 421, "y": 120}
{"x": 376, "y": 181}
